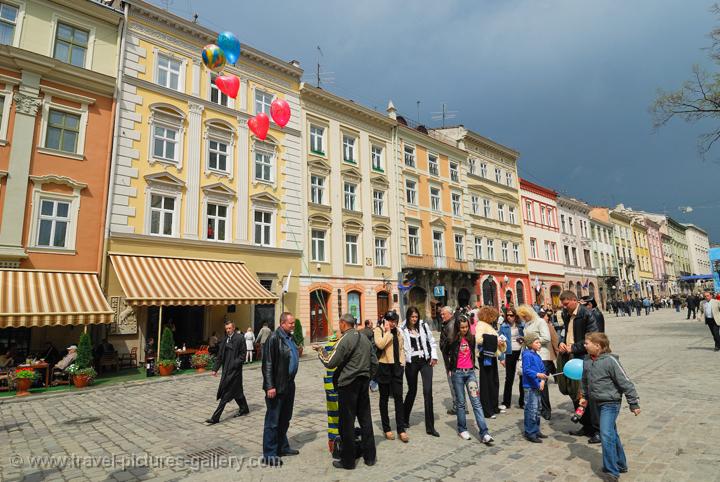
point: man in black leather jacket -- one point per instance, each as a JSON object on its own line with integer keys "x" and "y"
{"x": 592, "y": 306}
{"x": 279, "y": 367}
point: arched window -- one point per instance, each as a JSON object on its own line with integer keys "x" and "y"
{"x": 489, "y": 289}
{"x": 578, "y": 289}
{"x": 520, "y": 290}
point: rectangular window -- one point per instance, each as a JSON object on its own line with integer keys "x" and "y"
{"x": 317, "y": 189}
{"x": 472, "y": 165}
{"x": 529, "y": 214}
{"x": 433, "y": 165}
{"x": 491, "y": 249}
{"x": 435, "y": 199}
{"x": 71, "y": 44}
{"x": 350, "y": 191}
{"x": 455, "y": 197}
{"x": 574, "y": 257}
{"x": 459, "y": 247}
{"x": 478, "y": 248}
{"x": 263, "y": 100}
{"x": 438, "y": 245}
{"x": 551, "y": 217}
{"x": 162, "y": 215}
{"x": 263, "y": 228}
{"x": 349, "y": 149}
{"x": 168, "y": 72}
{"x": 411, "y": 192}
{"x": 217, "y": 221}
{"x": 547, "y": 250}
{"x": 543, "y": 215}
{"x": 511, "y": 212}
{"x": 351, "y": 249}
{"x": 217, "y": 155}
{"x": 216, "y": 96}
{"x": 63, "y": 130}
{"x": 504, "y": 251}
{"x": 567, "y": 255}
{"x": 263, "y": 166}
{"x": 562, "y": 224}
{"x": 380, "y": 252}
{"x": 414, "y": 240}
{"x": 498, "y": 175}
{"x": 483, "y": 169}
{"x": 509, "y": 178}
{"x": 317, "y": 242}
{"x": 553, "y": 252}
{"x": 475, "y": 202}
{"x": 378, "y": 202}
{"x": 8, "y": 22}
{"x": 376, "y": 153}
{"x": 316, "y": 140}
{"x": 571, "y": 224}
{"x": 454, "y": 173}
{"x": 533, "y": 248}
{"x": 501, "y": 212}
{"x": 54, "y": 220}
{"x": 409, "y": 152}
{"x": 516, "y": 253}
{"x": 165, "y": 140}
{"x": 486, "y": 208}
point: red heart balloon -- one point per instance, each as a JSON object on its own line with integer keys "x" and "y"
{"x": 228, "y": 85}
{"x": 280, "y": 111}
{"x": 259, "y": 125}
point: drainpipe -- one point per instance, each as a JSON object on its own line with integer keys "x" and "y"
{"x": 115, "y": 146}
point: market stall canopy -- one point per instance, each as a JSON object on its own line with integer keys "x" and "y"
{"x": 696, "y": 277}
{"x": 51, "y": 298}
{"x": 159, "y": 280}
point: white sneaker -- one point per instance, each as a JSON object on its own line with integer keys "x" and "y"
{"x": 502, "y": 410}
{"x": 487, "y": 439}
{"x": 493, "y": 416}
{"x": 503, "y": 407}
{"x": 465, "y": 435}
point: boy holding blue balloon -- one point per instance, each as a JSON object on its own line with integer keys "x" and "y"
{"x": 533, "y": 380}
{"x": 603, "y": 382}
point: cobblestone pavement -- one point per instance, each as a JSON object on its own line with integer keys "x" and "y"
{"x": 675, "y": 438}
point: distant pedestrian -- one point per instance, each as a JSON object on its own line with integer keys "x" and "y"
{"x": 604, "y": 381}
{"x": 231, "y": 356}
{"x": 692, "y": 305}
{"x": 263, "y": 336}
{"x": 250, "y": 344}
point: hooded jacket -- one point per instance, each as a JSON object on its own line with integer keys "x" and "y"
{"x": 604, "y": 380}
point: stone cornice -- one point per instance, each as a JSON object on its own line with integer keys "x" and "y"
{"x": 537, "y": 189}
{"x": 80, "y": 99}
{"x": 312, "y": 94}
{"x": 98, "y": 10}
{"x": 206, "y": 246}
{"x": 427, "y": 140}
{"x": 55, "y": 179}
{"x": 572, "y": 203}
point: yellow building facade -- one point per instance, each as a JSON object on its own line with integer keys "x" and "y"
{"x": 643, "y": 266}
{"x": 190, "y": 181}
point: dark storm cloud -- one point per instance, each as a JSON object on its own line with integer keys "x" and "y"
{"x": 567, "y": 83}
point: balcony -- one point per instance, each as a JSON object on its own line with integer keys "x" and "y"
{"x": 607, "y": 272}
{"x": 437, "y": 262}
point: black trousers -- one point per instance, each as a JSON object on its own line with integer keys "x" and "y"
{"x": 489, "y": 387}
{"x": 691, "y": 312}
{"x": 390, "y": 382}
{"x": 412, "y": 370}
{"x": 714, "y": 330}
{"x": 511, "y": 362}
{"x": 354, "y": 402}
{"x": 546, "y": 408}
{"x": 241, "y": 402}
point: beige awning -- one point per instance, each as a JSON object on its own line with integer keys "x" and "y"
{"x": 158, "y": 280}
{"x": 51, "y": 298}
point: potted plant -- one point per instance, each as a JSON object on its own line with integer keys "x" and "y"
{"x": 201, "y": 360}
{"x": 166, "y": 363}
{"x": 298, "y": 336}
{"x": 81, "y": 370}
{"x": 23, "y": 379}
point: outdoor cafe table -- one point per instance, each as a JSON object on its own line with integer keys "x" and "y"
{"x": 184, "y": 356}
{"x": 39, "y": 366}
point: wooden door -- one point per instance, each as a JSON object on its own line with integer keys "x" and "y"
{"x": 318, "y": 316}
{"x": 383, "y": 304}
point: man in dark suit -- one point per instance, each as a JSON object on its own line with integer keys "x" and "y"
{"x": 279, "y": 367}
{"x": 578, "y": 322}
{"x": 692, "y": 306}
{"x": 231, "y": 356}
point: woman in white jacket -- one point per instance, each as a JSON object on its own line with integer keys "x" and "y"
{"x": 249, "y": 344}
{"x": 420, "y": 358}
{"x": 535, "y": 324}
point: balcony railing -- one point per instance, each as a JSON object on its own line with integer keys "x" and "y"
{"x": 439, "y": 262}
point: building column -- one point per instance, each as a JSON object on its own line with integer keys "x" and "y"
{"x": 27, "y": 102}
{"x": 242, "y": 180}
{"x": 192, "y": 201}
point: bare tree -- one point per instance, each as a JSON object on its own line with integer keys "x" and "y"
{"x": 697, "y": 100}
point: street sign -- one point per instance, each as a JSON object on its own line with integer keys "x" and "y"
{"x": 439, "y": 291}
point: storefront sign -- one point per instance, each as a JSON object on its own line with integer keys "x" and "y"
{"x": 439, "y": 291}
{"x": 124, "y": 319}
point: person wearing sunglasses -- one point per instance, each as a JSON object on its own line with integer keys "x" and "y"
{"x": 513, "y": 331}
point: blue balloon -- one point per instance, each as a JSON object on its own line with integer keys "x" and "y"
{"x": 573, "y": 369}
{"x": 230, "y": 45}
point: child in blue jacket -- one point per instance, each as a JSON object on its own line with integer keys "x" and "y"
{"x": 533, "y": 380}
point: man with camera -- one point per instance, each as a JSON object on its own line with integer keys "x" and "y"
{"x": 355, "y": 362}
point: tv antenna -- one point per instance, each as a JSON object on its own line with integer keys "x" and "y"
{"x": 321, "y": 77}
{"x": 418, "y": 111}
{"x": 166, "y": 4}
{"x": 444, "y": 114}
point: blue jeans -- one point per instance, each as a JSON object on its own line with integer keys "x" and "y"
{"x": 532, "y": 412}
{"x": 277, "y": 420}
{"x": 463, "y": 380}
{"x": 612, "y": 450}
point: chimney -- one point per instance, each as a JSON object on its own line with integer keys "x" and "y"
{"x": 391, "y": 110}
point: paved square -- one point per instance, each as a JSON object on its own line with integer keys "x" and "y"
{"x": 152, "y": 428}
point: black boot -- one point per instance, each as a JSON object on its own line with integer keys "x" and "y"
{"x": 216, "y": 414}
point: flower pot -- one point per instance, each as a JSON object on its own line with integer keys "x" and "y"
{"x": 22, "y": 385}
{"x": 199, "y": 369}
{"x": 81, "y": 381}
{"x": 166, "y": 370}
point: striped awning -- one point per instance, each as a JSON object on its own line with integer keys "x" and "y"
{"x": 51, "y": 298}
{"x": 157, "y": 280}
